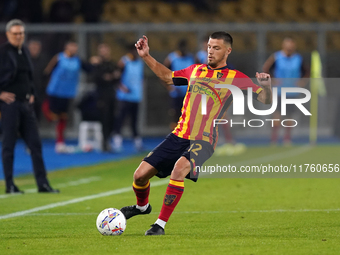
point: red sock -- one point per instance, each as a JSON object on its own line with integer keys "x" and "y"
{"x": 45, "y": 107}
{"x": 172, "y": 196}
{"x": 142, "y": 193}
{"x": 60, "y": 130}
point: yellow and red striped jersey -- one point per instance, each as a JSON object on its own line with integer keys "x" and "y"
{"x": 201, "y": 79}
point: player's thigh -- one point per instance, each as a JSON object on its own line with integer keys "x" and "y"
{"x": 143, "y": 173}
{"x": 166, "y": 154}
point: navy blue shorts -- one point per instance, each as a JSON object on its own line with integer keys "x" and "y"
{"x": 166, "y": 154}
{"x": 58, "y": 105}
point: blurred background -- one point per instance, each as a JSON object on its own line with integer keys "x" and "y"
{"x": 257, "y": 26}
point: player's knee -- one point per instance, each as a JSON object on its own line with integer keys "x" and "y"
{"x": 140, "y": 178}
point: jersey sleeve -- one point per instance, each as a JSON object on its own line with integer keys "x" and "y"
{"x": 182, "y": 77}
{"x": 244, "y": 82}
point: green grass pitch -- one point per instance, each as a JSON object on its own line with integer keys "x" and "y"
{"x": 214, "y": 216}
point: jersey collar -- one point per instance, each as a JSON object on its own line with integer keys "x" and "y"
{"x": 220, "y": 68}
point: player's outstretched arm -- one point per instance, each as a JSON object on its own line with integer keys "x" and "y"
{"x": 164, "y": 73}
{"x": 264, "y": 80}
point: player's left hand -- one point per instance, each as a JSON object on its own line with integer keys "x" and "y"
{"x": 263, "y": 79}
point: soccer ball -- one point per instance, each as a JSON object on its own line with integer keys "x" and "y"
{"x": 111, "y": 222}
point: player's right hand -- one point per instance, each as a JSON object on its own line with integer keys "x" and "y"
{"x": 7, "y": 97}
{"x": 142, "y": 47}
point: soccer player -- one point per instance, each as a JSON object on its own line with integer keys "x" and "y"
{"x": 64, "y": 69}
{"x": 129, "y": 97}
{"x": 192, "y": 142}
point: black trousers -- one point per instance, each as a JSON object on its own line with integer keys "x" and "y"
{"x": 125, "y": 109}
{"x": 18, "y": 117}
{"x": 106, "y": 108}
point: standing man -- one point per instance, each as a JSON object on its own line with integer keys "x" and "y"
{"x": 287, "y": 66}
{"x": 178, "y": 60}
{"x": 106, "y": 76}
{"x": 129, "y": 96}
{"x": 193, "y": 140}
{"x": 17, "y": 98}
{"x": 65, "y": 70}
{"x": 39, "y": 62}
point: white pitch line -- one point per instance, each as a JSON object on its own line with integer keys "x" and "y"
{"x": 77, "y": 200}
{"x": 269, "y": 211}
{"x": 207, "y": 212}
{"x": 267, "y": 158}
{"x": 60, "y": 185}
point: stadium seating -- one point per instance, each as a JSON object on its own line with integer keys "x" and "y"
{"x": 333, "y": 41}
{"x": 228, "y": 12}
{"x": 312, "y": 11}
{"x": 249, "y": 11}
{"x": 186, "y": 12}
{"x": 270, "y": 11}
{"x": 157, "y": 11}
{"x": 291, "y": 11}
{"x": 331, "y": 10}
{"x": 145, "y": 11}
{"x": 164, "y": 12}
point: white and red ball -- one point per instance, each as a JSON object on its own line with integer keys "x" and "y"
{"x": 111, "y": 222}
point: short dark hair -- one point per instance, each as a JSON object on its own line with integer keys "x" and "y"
{"x": 70, "y": 42}
{"x": 226, "y": 37}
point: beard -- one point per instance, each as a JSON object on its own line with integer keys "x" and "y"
{"x": 212, "y": 63}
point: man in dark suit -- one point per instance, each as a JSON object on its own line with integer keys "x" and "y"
{"x": 16, "y": 105}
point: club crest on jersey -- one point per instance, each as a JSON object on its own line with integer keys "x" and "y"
{"x": 219, "y": 75}
{"x": 169, "y": 199}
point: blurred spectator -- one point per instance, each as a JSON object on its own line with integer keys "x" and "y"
{"x": 91, "y": 10}
{"x": 62, "y": 11}
{"x": 202, "y": 55}
{"x": 39, "y": 62}
{"x": 178, "y": 60}
{"x": 65, "y": 69}
{"x": 288, "y": 67}
{"x": 129, "y": 96}
{"x": 106, "y": 77}
{"x": 88, "y": 107}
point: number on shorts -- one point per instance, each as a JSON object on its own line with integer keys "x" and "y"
{"x": 195, "y": 150}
